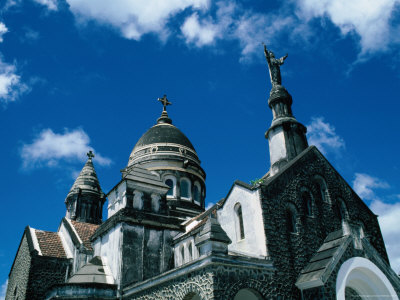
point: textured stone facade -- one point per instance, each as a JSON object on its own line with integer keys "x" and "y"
{"x": 291, "y": 251}
{"x": 213, "y": 282}
{"x": 19, "y": 274}
{"x": 45, "y": 272}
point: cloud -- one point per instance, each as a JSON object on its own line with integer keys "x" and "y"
{"x": 133, "y": 18}
{"x": 364, "y": 185}
{"x": 3, "y": 30}
{"x": 388, "y": 216}
{"x": 49, "y": 149}
{"x": 11, "y": 86}
{"x": 200, "y": 34}
{"x": 3, "y": 290}
{"x": 232, "y": 22}
{"x": 50, "y": 4}
{"x": 323, "y": 136}
{"x": 370, "y": 21}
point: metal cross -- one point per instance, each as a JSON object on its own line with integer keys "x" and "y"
{"x": 165, "y": 102}
{"x": 90, "y": 154}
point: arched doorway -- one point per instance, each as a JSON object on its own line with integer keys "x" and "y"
{"x": 192, "y": 296}
{"x": 361, "y": 278}
{"x": 248, "y": 294}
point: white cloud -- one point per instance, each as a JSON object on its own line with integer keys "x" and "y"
{"x": 200, "y": 34}
{"x": 323, "y": 136}
{"x": 3, "y": 290}
{"x": 364, "y": 185}
{"x": 3, "y": 30}
{"x": 389, "y": 216}
{"x": 49, "y": 148}
{"x": 370, "y": 20}
{"x": 50, "y": 4}
{"x": 234, "y": 22}
{"x": 11, "y": 86}
{"x": 133, "y": 18}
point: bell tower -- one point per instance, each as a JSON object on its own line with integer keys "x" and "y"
{"x": 85, "y": 199}
{"x": 286, "y": 136}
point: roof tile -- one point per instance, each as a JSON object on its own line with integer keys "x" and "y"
{"x": 50, "y": 244}
{"x": 85, "y": 232}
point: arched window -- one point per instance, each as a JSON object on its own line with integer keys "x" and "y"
{"x": 185, "y": 189}
{"x": 322, "y": 188}
{"x": 248, "y": 294}
{"x": 291, "y": 221}
{"x": 171, "y": 182}
{"x": 190, "y": 251}
{"x": 197, "y": 193}
{"x": 182, "y": 254}
{"x": 239, "y": 222}
{"x": 307, "y": 202}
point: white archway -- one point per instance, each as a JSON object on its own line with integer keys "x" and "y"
{"x": 365, "y": 278}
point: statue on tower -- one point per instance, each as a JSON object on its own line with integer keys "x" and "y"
{"x": 274, "y": 66}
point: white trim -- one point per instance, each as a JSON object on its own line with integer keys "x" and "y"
{"x": 35, "y": 240}
{"x": 366, "y": 278}
{"x": 74, "y": 230}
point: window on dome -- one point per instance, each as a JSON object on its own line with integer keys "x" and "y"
{"x": 197, "y": 193}
{"x": 185, "y": 188}
{"x": 170, "y": 183}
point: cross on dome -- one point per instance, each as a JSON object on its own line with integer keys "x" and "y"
{"x": 164, "y": 102}
{"x": 90, "y": 154}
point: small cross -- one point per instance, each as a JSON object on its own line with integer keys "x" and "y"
{"x": 165, "y": 102}
{"x": 90, "y": 154}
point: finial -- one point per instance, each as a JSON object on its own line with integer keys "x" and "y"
{"x": 90, "y": 155}
{"x": 165, "y": 102}
{"x": 164, "y": 116}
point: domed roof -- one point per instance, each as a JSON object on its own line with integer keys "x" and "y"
{"x": 163, "y": 133}
{"x": 163, "y": 141}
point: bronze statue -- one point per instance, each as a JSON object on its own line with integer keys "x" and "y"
{"x": 274, "y": 66}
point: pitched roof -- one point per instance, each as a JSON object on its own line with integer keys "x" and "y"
{"x": 50, "y": 244}
{"x": 85, "y": 232}
{"x": 87, "y": 180}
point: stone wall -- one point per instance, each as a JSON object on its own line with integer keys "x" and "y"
{"x": 217, "y": 282}
{"x": 19, "y": 275}
{"x": 45, "y": 272}
{"x": 291, "y": 252}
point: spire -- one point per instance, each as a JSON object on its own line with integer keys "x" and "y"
{"x": 164, "y": 115}
{"x": 286, "y": 136}
{"x": 85, "y": 199}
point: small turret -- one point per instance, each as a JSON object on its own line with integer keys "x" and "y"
{"x": 85, "y": 199}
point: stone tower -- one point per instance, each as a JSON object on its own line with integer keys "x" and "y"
{"x": 85, "y": 199}
{"x": 286, "y": 136}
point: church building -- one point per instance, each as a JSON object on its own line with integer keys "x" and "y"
{"x": 300, "y": 232}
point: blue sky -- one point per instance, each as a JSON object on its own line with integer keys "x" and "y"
{"x": 79, "y": 75}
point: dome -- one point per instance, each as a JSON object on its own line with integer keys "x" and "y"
{"x": 166, "y": 152}
{"x": 163, "y": 139}
{"x": 163, "y": 133}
